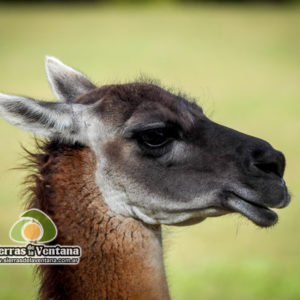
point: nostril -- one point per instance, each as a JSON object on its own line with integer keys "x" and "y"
{"x": 269, "y": 168}
{"x": 268, "y": 161}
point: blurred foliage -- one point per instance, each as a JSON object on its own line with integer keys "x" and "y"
{"x": 242, "y": 64}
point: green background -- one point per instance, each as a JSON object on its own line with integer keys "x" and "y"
{"x": 242, "y": 63}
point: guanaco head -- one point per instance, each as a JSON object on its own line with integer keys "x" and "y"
{"x": 159, "y": 158}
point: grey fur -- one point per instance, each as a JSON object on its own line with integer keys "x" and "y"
{"x": 204, "y": 169}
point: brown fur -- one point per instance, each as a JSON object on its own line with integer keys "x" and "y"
{"x": 121, "y": 257}
{"x": 117, "y": 103}
{"x": 159, "y": 159}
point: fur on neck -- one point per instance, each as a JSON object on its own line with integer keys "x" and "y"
{"x": 121, "y": 256}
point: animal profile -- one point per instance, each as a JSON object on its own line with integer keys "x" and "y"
{"x": 121, "y": 160}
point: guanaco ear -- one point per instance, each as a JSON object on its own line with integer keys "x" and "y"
{"x": 58, "y": 120}
{"x": 67, "y": 84}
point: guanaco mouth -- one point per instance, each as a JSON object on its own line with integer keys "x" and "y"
{"x": 257, "y": 213}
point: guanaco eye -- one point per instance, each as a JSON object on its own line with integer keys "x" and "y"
{"x": 155, "y": 138}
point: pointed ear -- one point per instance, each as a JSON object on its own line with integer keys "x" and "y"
{"x": 56, "y": 120}
{"x": 67, "y": 84}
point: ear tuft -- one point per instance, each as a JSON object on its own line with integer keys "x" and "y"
{"x": 67, "y": 84}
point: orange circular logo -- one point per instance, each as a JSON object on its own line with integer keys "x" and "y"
{"x": 32, "y": 231}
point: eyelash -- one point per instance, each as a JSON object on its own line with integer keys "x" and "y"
{"x": 155, "y": 142}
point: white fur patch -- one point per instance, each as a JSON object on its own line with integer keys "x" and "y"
{"x": 74, "y": 82}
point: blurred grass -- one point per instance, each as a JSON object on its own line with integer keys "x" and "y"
{"x": 241, "y": 62}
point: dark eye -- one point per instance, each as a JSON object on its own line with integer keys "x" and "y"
{"x": 156, "y": 138}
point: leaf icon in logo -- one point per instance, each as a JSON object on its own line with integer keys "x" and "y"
{"x": 16, "y": 231}
{"x": 34, "y": 225}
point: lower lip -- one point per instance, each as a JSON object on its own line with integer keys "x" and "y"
{"x": 261, "y": 216}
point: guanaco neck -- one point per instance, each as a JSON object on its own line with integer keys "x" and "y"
{"x": 121, "y": 257}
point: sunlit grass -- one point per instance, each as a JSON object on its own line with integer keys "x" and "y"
{"x": 242, "y": 64}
